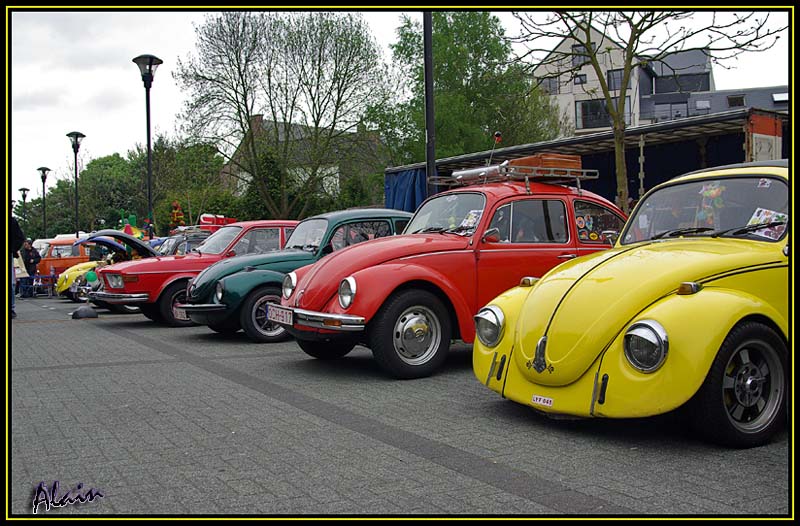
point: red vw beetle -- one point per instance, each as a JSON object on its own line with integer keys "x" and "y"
{"x": 407, "y": 296}
{"x": 156, "y": 285}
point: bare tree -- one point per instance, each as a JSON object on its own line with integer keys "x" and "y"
{"x": 629, "y": 40}
{"x": 289, "y": 86}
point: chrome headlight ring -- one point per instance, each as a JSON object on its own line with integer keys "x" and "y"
{"x": 347, "y": 291}
{"x": 289, "y": 284}
{"x": 490, "y": 324}
{"x": 646, "y": 345}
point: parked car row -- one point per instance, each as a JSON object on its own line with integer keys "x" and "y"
{"x": 571, "y": 309}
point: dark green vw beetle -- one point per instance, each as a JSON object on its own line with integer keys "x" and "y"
{"x": 232, "y": 294}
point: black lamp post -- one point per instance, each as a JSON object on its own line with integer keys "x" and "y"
{"x": 76, "y": 138}
{"x": 147, "y": 66}
{"x": 24, "y": 191}
{"x": 44, "y": 170}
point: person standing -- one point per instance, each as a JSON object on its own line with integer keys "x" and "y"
{"x": 17, "y": 238}
{"x": 31, "y": 258}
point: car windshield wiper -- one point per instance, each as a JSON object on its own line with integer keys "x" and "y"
{"x": 681, "y": 231}
{"x": 747, "y": 229}
{"x": 459, "y": 229}
{"x": 429, "y": 229}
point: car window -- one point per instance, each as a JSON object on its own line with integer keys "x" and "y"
{"x": 400, "y": 225}
{"x": 459, "y": 211}
{"x": 591, "y": 219}
{"x": 531, "y": 221}
{"x": 353, "y": 233}
{"x": 258, "y": 241}
{"x": 59, "y": 251}
{"x": 219, "y": 240}
{"x": 287, "y": 232}
{"x": 167, "y": 246}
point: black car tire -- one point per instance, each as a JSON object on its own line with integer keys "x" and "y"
{"x": 326, "y": 350}
{"x": 151, "y": 312}
{"x": 743, "y": 399}
{"x": 174, "y": 294}
{"x": 253, "y": 317}
{"x": 410, "y": 335}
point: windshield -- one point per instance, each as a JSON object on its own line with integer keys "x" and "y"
{"x": 308, "y": 234}
{"x": 458, "y": 212}
{"x": 166, "y": 247}
{"x": 747, "y": 206}
{"x": 219, "y": 240}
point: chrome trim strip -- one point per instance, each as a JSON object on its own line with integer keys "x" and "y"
{"x": 111, "y": 297}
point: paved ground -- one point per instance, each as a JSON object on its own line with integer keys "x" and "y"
{"x": 185, "y": 421}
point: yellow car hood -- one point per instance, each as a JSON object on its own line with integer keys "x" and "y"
{"x": 582, "y": 305}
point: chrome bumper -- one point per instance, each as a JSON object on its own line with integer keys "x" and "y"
{"x": 322, "y": 320}
{"x": 201, "y": 307}
{"x": 110, "y": 297}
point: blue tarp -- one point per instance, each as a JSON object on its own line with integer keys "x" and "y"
{"x": 405, "y": 190}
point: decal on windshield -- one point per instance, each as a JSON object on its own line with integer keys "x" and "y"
{"x": 762, "y": 215}
{"x": 471, "y": 219}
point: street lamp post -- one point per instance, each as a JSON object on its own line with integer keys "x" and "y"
{"x": 147, "y": 66}
{"x": 44, "y": 170}
{"x": 76, "y": 138}
{"x": 24, "y": 191}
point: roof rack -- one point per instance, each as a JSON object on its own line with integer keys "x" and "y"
{"x": 526, "y": 169}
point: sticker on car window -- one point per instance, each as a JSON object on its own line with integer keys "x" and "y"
{"x": 764, "y": 183}
{"x": 471, "y": 219}
{"x": 762, "y": 215}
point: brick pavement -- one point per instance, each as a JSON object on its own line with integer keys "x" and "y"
{"x": 185, "y": 421}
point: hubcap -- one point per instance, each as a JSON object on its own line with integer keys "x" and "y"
{"x": 417, "y": 334}
{"x": 753, "y": 386}
{"x": 259, "y": 316}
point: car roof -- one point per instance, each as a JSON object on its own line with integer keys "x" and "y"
{"x": 350, "y": 213}
{"x": 264, "y": 222}
{"x": 776, "y": 167}
{"x": 502, "y": 190}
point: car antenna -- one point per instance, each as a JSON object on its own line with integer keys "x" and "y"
{"x": 497, "y": 138}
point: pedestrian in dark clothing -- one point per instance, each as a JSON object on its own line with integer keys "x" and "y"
{"x": 17, "y": 238}
{"x": 31, "y": 258}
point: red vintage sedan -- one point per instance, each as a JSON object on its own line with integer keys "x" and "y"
{"x": 156, "y": 285}
{"x": 406, "y": 297}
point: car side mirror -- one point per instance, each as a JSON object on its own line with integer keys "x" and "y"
{"x": 230, "y": 253}
{"x": 491, "y": 236}
{"x": 610, "y": 236}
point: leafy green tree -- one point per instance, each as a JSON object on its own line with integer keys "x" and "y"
{"x": 476, "y": 92}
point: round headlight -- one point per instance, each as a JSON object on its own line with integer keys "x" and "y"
{"x": 490, "y": 324}
{"x": 646, "y": 345}
{"x": 289, "y": 283}
{"x": 347, "y": 291}
{"x": 219, "y": 291}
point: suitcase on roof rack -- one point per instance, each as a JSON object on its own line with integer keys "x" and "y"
{"x": 546, "y": 160}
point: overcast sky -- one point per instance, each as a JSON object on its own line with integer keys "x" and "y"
{"x": 73, "y": 71}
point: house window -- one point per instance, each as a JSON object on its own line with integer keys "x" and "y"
{"x": 735, "y": 101}
{"x": 550, "y": 85}
{"x": 780, "y": 97}
{"x": 593, "y": 114}
{"x": 614, "y": 79}
{"x": 668, "y": 112}
{"x": 579, "y": 79}
{"x": 579, "y": 56}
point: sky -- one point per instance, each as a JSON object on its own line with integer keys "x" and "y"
{"x": 74, "y": 71}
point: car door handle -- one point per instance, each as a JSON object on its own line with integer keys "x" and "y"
{"x": 567, "y": 256}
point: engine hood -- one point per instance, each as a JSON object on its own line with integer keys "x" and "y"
{"x": 190, "y": 263}
{"x": 322, "y": 280}
{"x": 586, "y": 302}
{"x": 278, "y": 260}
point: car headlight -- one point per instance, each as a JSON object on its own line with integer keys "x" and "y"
{"x": 490, "y": 323}
{"x": 219, "y": 291}
{"x": 114, "y": 281}
{"x": 646, "y": 345}
{"x": 347, "y": 291}
{"x": 289, "y": 283}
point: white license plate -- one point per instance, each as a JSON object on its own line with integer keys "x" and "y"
{"x": 180, "y": 314}
{"x": 279, "y": 314}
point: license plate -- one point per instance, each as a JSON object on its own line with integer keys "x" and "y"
{"x": 279, "y": 314}
{"x": 180, "y": 314}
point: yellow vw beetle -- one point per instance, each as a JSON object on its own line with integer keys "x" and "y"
{"x": 690, "y": 307}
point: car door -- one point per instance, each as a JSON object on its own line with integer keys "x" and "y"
{"x": 533, "y": 237}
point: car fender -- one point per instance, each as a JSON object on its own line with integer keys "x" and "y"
{"x": 376, "y": 284}
{"x": 239, "y": 285}
{"x": 169, "y": 281}
{"x": 696, "y": 326}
